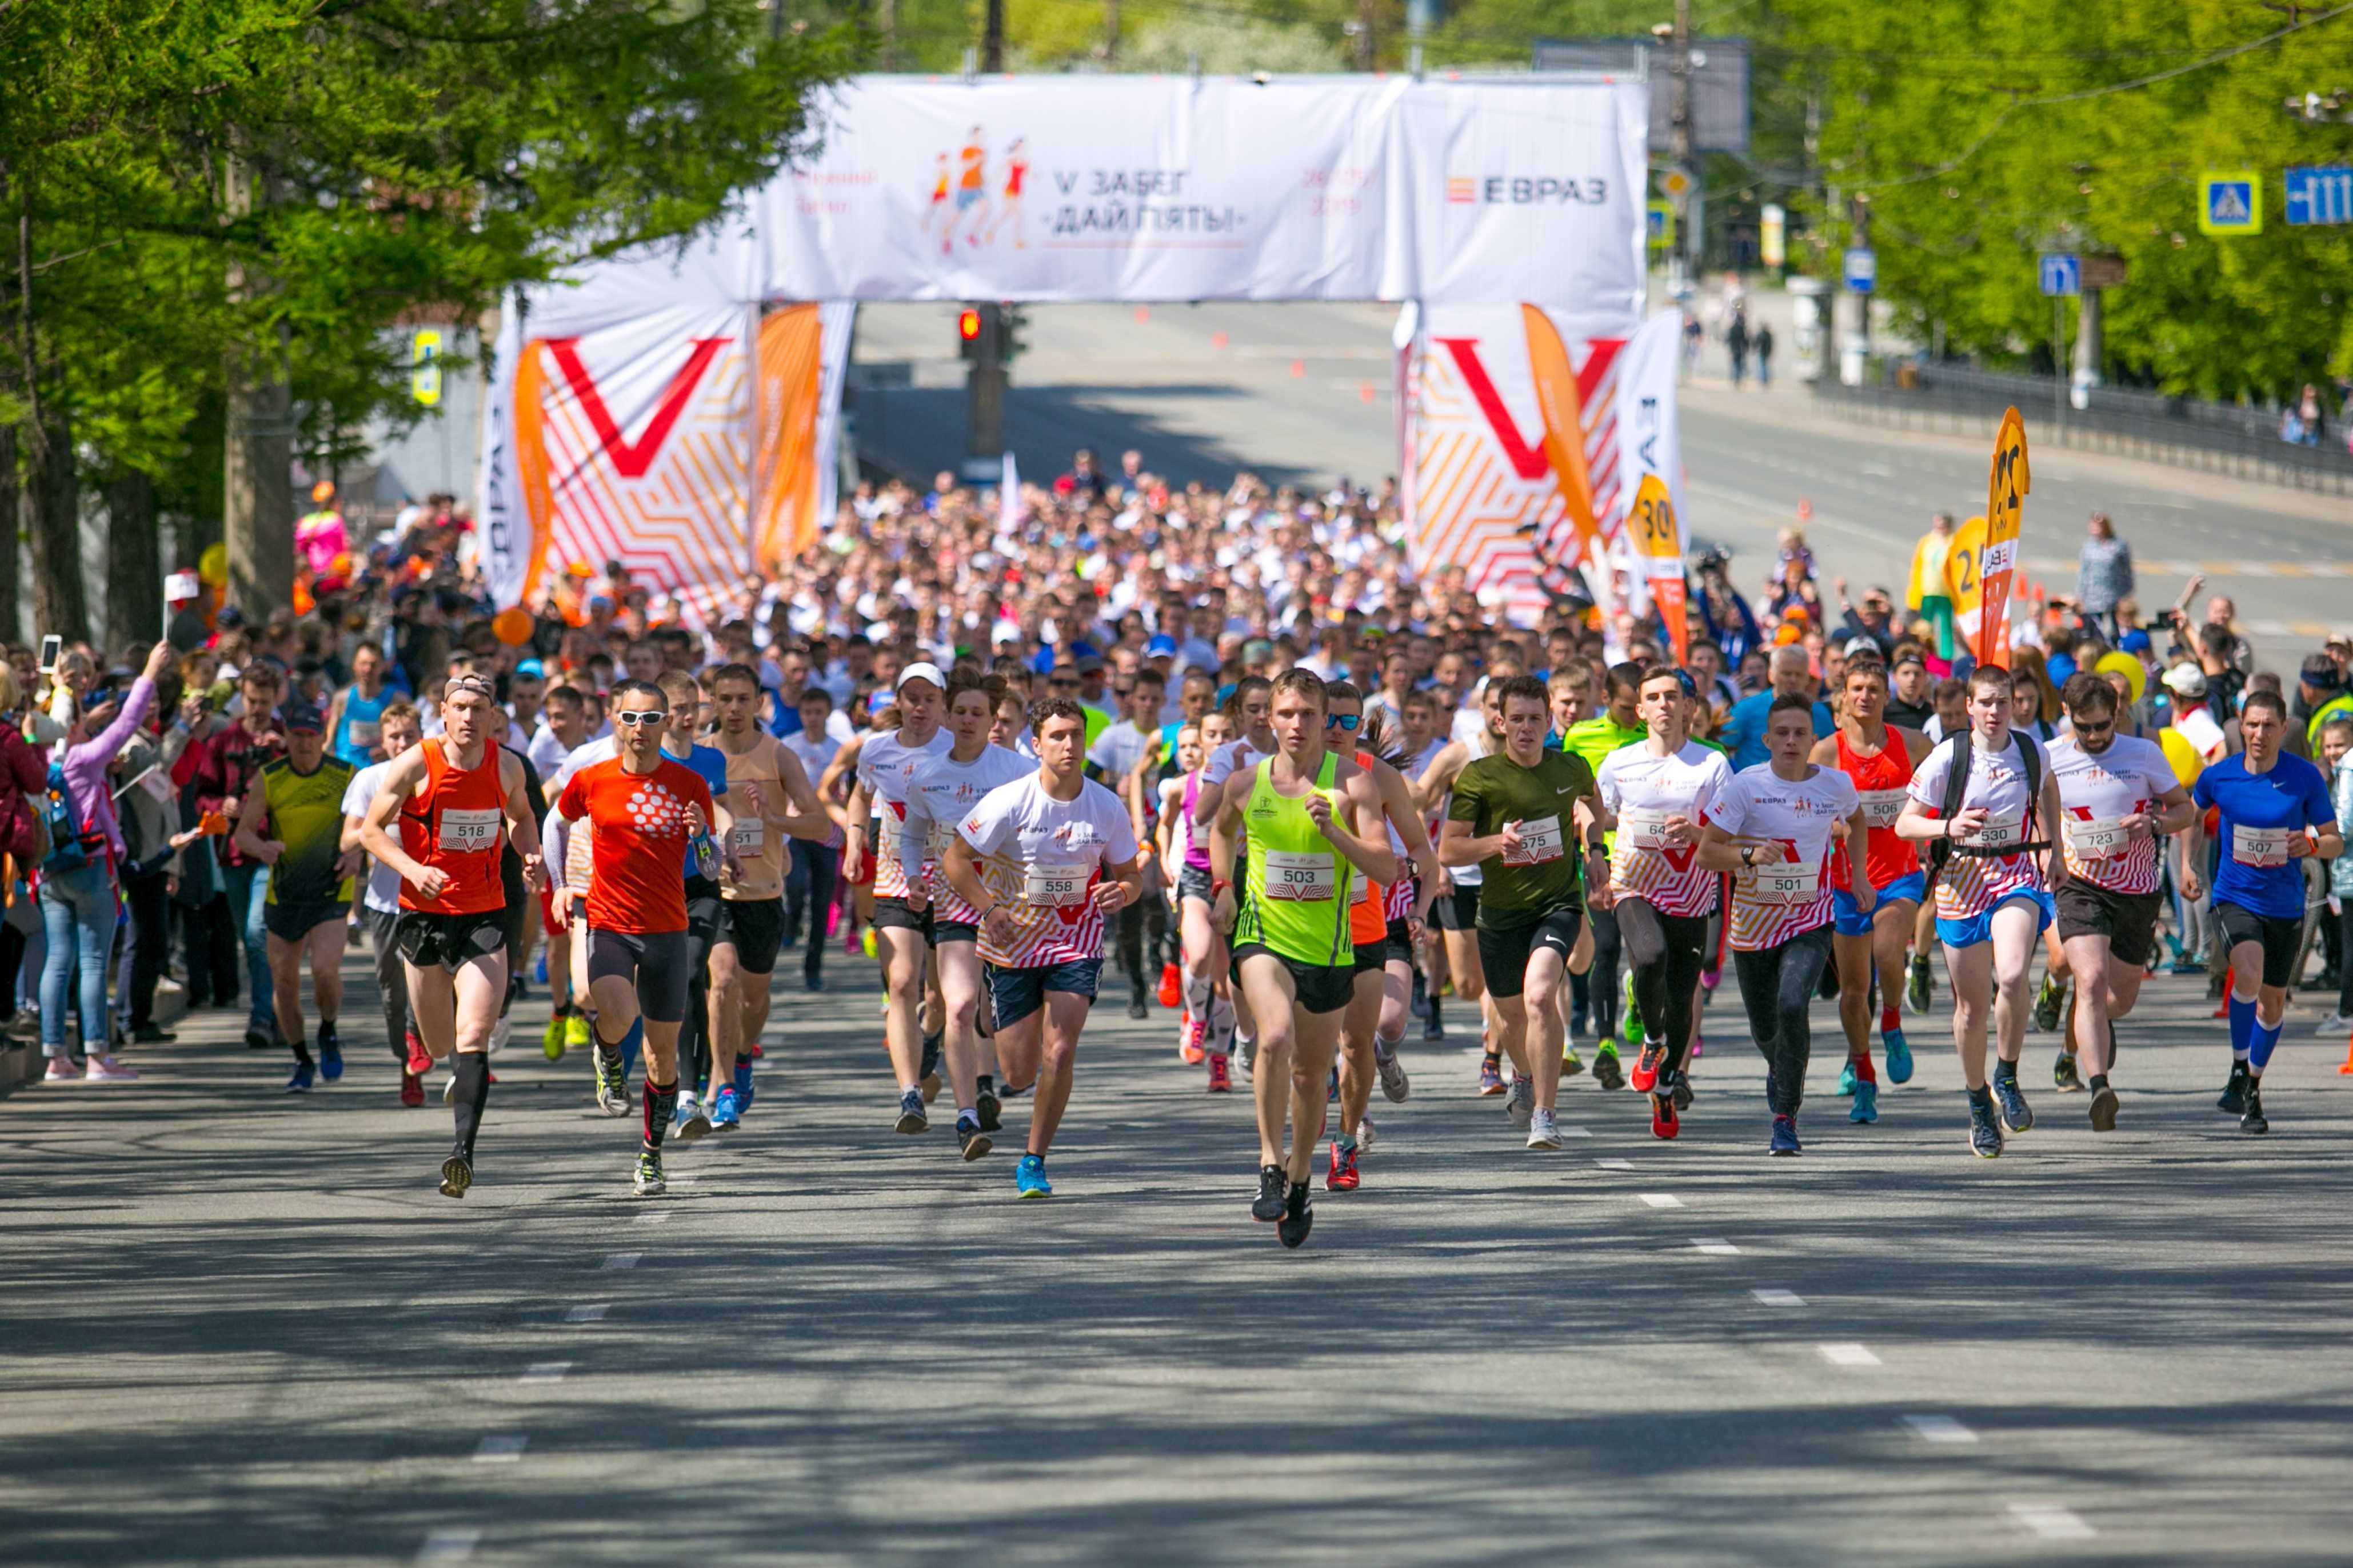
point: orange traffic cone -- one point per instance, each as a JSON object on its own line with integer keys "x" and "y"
{"x": 2346, "y": 1067}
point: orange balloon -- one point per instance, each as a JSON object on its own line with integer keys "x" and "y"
{"x": 513, "y": 626}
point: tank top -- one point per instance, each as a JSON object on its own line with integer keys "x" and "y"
{"x": 1197, "y": 849}
{"x": 361, "y": 729}
{"x": 1368, "y": 915}
{"x": 1880, "y": 783}
{"x": 1470, "y": 876}
{"x": 1295, "y": 885}
{"x": 755, "y": 839}
{"x": 458, "y": 825}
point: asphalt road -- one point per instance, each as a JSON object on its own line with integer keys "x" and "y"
{"x": 1302, "y": 394}
{"x": 243, "y": 1327}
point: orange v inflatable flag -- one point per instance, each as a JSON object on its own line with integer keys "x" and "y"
{"x": 1564, "y": 424}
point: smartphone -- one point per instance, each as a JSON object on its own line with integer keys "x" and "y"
{"x": 51, "y": 646}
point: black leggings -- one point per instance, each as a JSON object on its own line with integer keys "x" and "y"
{"x": 1667, "y": 953}
{"x": 1602, "y": 978}
{"x": 1148, "y": 911}
{"x": 1778, "y": 987}
{"x": 150, "y": 940}
{"x": 809, "y": 889}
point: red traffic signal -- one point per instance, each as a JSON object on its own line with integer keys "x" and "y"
{"x": 968, "y": 326}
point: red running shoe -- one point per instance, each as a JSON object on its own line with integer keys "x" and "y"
{"x": 1222, "y": 1080}
{"x": 1189, "y": 1047}
{"x": 1663, "y": 1121}
{"x": 1647, "y": 1063}
{"x": 412, "y": 1090}
{"x": 419, "y": 1064}
{"x": 1491, "y": 1075}
{"x": 1343, "y": 1175}
{"x": 1169, "y": 993}
{"x": 754, "y": 1051}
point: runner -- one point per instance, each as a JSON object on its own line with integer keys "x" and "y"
{"x": 299, "y": 800}
{"x": 1656, "y": 793}
{"x": 1208, "y": 999}
{"x": 1458, "y": 887}
{"x": 644, "y": 809}
{"x": 811, "y": 887}
{"x": 697, "y": 1046}
{"x": 398, "y": 730}
{"x": 1517, "y": 814}
{"x": 1772, "y": 827}
{"x": 2111, "y": 788}
{"x": 1043, "y": 860}
{"x": 2274, "y": 810}
{"x": 1247, "y": 710}
{"x": 1979, "y": 798}
{"x": 943, "y": 791}
{"x": 1301, "y": 808}
{"x": 355, "y": 719}
{"x": 459, "y": 799}
{"x": 1612, "y": 1003}
{"x": 1879, "y": 757}
{"x": 884, "y": 765}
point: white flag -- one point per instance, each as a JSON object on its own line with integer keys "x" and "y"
{"x": 1008, "y": 503}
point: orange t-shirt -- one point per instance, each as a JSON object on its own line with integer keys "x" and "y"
{"x": 640, "y": 840}
{"x": 1368, "y": 917}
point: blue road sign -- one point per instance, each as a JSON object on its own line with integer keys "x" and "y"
{"x": 2319, "y": 195}
{"x": 1862, "y": 271}
{"x": 2062, "y": 275}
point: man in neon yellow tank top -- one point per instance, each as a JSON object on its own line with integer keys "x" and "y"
{"x": 1304, "y": 809}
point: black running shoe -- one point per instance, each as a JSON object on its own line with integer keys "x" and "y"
{"x": 2064, "y": 1076}
{"x": 2253, "y": 1119}
{"x": 1268, "y": 1207}
{"x": 971, "y": 1141}
{"x": 456, "y": 1175}
{"x": 930, "y": 1075}
{"x": 257, "y": 1040}
{"x": 989, "y": 1108}
{"x": 1136, "y": 1006}
{"x": 2015, "y": 1115}
{"x": 1985, "y": 1138}
{"x": 2103, "y": 1109}
{"x": 1606, "y": 1069}
{"x": 1915, "y": 986}
{"x": 2235, "y": 1092}
{"x": 1298, "y": 1219}
{"x": 1682, "y": 1090}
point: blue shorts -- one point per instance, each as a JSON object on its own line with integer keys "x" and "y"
{"x": 1912, "y": 885}
{"x": 1978, "y": 928}
{"x": 1014, "y": 994}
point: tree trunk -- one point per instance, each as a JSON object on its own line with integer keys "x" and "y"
{"x": 258, "y": 457}
{"x": 12, "y": 534}
{"x": 53, "y": 517}
{"x": 135, "y": 561}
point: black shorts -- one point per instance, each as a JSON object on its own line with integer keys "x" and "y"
{"x": 1503, "y": 954}
{"x": 1195, "y": 882}
{"x": 2283, "y": 940}
{"x": 946, "y": 932}
{"x": 655, "y": 962}
{"x": 1372, "y": 957}
{"x": 892, "y": 914}
{"x": 2127, "y": 919}
{"x": 1321, "y": 988}
{"x": 427, "y": 939}
{"x": 754, "y": 928}
{"x": 1400, "y": 940}
{"x": 293, "y": 921}
{"x": 1457, "y": 910}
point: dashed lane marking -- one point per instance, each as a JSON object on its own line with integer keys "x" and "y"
{"x": 1662, "y": 1200}
{"x": 1772, "y": 1298}
{"x": 1939, "y": 1429}
{"x": 1716, "y": 1247}
{"x": 502, "y": 1449}
{"x": 2051, "y": 1522}
{"x": 449, "y": 1545}
{"x": 617, "y": 1261}
{"x": 587, "y": 1312}
{"x": 1847, "y": 1354}
{"x": 547, "y": 1371}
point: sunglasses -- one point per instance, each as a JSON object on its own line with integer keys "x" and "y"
{"x": 2094, "y": 727}
{"x": 479, "y": 685}
{"x": 1342, "y": 721}
{"x": 642, "y": 717}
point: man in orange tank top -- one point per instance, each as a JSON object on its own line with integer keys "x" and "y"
{"x": 457, "y": 798}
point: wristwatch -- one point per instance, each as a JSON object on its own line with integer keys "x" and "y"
{"x": 1748, "y": 856}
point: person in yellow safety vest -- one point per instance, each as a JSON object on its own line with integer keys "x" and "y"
{"x": 1929, "y": 595}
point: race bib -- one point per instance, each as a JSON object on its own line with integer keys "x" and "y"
{"x": 364, "y": 732}
{"x": 2102, "y": 838}
{"x": 1640, "y": 829}
{"x": 1540, "y": 841}
{"x": 1057, "y": 885}
{"x": 469, "y": 832}
{"x": 2001, "y": 831}
{"x": 1300, "y": 878}
{"x": 747, "y": 837}
{"x": 2259, "y": 846}
{"x": 1367, "y": 890}
{"x": 1786, "y": 884}
{"x": 1881, "y": 808}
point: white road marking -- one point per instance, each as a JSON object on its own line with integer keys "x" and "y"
{"x": 1615, "y": 1165}
{"x": 1576, "y": 1132}
{"x": 547, "y": 1372}
{"x": 448, "y": 1546}
{"x": 1662, "y": 1200}
{"x": 1779, "y": 1298}
{"x": 2051, "y": 1522}
{"x": 1716, "y": 1247}
{"x": 654, "y": 1217}
{"x": 1939, "y": 1429}
{"x": 502, "y": 1449}
{"x": 616, "y": 1261}
{"x": 587, "y": 1312}
{"x": 1843, "y": 1354}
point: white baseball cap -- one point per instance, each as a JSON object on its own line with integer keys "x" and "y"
{"x": 924, "y": 671}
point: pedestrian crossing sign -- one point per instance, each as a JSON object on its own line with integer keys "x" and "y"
{"x": 2230, "y": 203}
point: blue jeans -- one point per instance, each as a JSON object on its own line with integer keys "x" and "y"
{"x": 78, "y": 916}
{"x": 249, "y": 899}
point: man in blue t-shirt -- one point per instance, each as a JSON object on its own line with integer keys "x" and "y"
{"x": 702, "y": 902}
{"x": 1744, "y": 728}
{"x": 2273, "y": 812}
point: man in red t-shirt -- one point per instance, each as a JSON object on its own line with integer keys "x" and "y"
{"x": 647, "y": 811}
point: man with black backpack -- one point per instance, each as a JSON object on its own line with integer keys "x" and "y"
{"x": 1982, "y": 802}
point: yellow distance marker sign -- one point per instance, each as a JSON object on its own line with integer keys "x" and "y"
{"x": 2007, "y": 483}
{"x": 1659, "y": 539}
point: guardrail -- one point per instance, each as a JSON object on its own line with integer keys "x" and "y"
{"x": 2183, "y": 432}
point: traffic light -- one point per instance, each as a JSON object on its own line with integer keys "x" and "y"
{"x": 1017, "y": 320}
{"x": 968, "y": 334}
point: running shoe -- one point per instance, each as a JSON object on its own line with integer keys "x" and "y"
{"x": 1364, "y": 1134}
{"x": 151, "y": 1035}
{"x": 2253, "y": 1120}
{"x": 456, "y": 1175}
{"x": 1666, "y": 1121}
{"x": 693, "y": 1121}
{"x": 1137, "y": 1007}
{"x": 930, "y": 1073}
{"x": 1647, "y": 1063}
{"x": 1171, "y": 984}
{"x": 577, "y": 1037}
{"x": 648, "y": 1182}
{"x": 1332, "y": 1093}
{"x": 1190, "y": 1047}
{"x": 1522, "y": 1101}
{"x": 1015, "y": 1090}
{"x": 912, "y": 1119}
{"x": 1267, "y": 1207}
{"x": 1847, "y": 1080}
{"x": 258, "y": 1040}
{"x": 1298, "y": 1217}
{"x": 1029, "y": 1178}
{"x": 2065, "y": 1075}
{"x": 1246, "y": 1052}
{"x": 330, "y": 1054}
{"x": 106, "y": 1069}
{"x": 412, "y": 1090}
{"x": 1916, "y": 988}
{"x": 1394, "y": 1085}
{"x": 1899, "y": 1056}
{"x": 726, "y": 1111}
{"x": 1985, "y": 1137}
{"x": 1342, "y": 1178}
{"x": 1629, "y": 1013}
{"x": 1865, "y": 1109}
{"x": 2047, "y": 1003}
{"x": 2015, "y": 1116}
{"x": 1544, "y": 1130}
{"x": 1491, "y": 1075}
{"x": 2334, "y": 1024}
{"x": 1222, "y": 1076}
{"x": 1431, "y": 1029}
{"x": 990, "y": 1109}
{"x": 866, "y": 942}
{"x": 971, "y": 1141}
{"x": 741, "y": 1084}
{"x": 1784, "y": 1141}
{"x": 61, "y": 1071}
{"x": 551, "y": 1040}
{"x": 1682, "y": 1090}
{"x": 2104, "y": 1108}
{"x": 1607, "y": 1070}
{"x": 2235, "y": 1092}
{"x": 1571, "y": 1064}
{"x": 304, "y": 1075}
{"x": 812, "y": 981}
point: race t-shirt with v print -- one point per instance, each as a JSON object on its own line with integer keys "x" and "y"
{"x": 1642, "y": 791}
{"x": 1039, "y": 861}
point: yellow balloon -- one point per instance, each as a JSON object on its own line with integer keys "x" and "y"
{"x": 2125, "y": 664}
{"x": 212, "y": 566}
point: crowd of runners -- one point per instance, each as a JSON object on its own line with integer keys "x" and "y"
{"x": 1306, "y": 806}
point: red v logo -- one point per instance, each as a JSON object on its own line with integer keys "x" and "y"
{"x": 1527, "y": 461}
{"x": 631, "y": 460}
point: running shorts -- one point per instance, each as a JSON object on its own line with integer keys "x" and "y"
{"x": 2282, "y": 939}
{"x": 1320, "y": 988}
{"x": 1014, "y": 994}
{"x": 1503, "y": 954}
{"x": 1372, "y": 957}
{"x": 1911, "y": 886}
{"x": 892, "y": 914}
{"x": 2127, "y": 919}
{"x": 1457, "y": 910}
{"x": 1195, "y": 882}
{"x": 451, "y": 942}
{"x": 655, "y": 962}
{"x": 946, "y": 932}
{"x": 754, "y": 928}
{"x": 293, "y": 922}
{"x": 1400, "y": 940}
{"x": 1972, "y": 929}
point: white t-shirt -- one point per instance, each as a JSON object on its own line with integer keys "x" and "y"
{"x": 1119, "y": 748}
{"x": 1642, "y": 791}
{"x": 1972, "y": 884}
{"x": 545, "y": 752}
{"x": 1229, "y": 759}
{"x": 815, "y": 756}
{"x": 1771, "y": 904}
{"x": 2093, "y": 793}
{"x": 885, "y": 765}
{"x": 383, "y": 893}
{"x": 1040, "y": 858}
{"x": 942, "y": 791}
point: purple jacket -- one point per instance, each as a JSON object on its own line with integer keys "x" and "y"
{"x": 91, "y": 802}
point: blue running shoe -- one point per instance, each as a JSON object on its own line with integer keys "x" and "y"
{"x": 539, "y": 970}
{"x": 301, "y": 1082}
{"x": 1785, "y": 1136}
{"x": 912, "y": 1119}
{"x": 330, "y": 1054}
{"x": 1899, "y": 1056}
{"x": 1846, "y": 1078}
{"x": 1865, "y": 1109}
{"x": 1029, "y": 1178}
{"x": 742, "y": 1083}
{"x": 1332, "y": 1094}
{"x": 726, "y": 1111}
